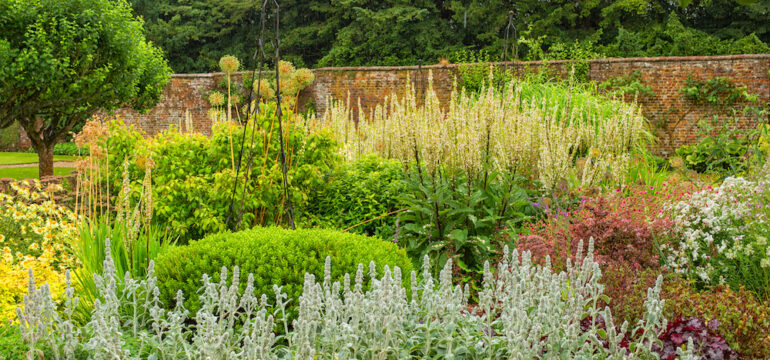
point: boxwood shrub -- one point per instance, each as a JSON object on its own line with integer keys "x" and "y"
{"x": 274, "y": 256}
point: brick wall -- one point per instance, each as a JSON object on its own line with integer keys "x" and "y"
{"x": 666, "y": 75}
{"x": 185, "y": 97}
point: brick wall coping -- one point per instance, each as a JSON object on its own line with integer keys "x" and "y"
{"x": 685, "y": 58}
{"x": 539, "y": 62}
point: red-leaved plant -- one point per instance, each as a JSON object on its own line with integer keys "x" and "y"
{"x": 623, "y": 225}
{"x": 707, "y": 343}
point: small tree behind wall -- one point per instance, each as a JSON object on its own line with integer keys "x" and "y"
{"x": 62, "y": 61}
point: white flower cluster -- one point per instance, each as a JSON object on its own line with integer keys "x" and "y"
{"x": 525, "y": 311}
{"x": 716, "y": 228}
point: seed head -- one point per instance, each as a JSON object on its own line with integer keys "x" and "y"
{"x": 229, "y": 64}
{"x": 285, "y": 68}
{"x": 304, "y": 77}
{"x": 265, "y": 90}
{"x": 216, "y": 99}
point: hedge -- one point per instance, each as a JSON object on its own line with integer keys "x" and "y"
{"x": 274, "y": 256}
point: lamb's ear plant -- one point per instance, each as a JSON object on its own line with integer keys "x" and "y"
{"x": 687, "y": 353}
{"x": 526, "y": 311}
{"x": 43, "y": 328}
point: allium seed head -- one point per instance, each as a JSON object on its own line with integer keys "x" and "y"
{"x": 304, "y": 77}
{"x": 265, "y": 90}
{"x": 229, "y": 64}
{"x": 285, "y": 68}
{"x": 216, "y": 99}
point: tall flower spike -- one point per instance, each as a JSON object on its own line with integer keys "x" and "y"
{"x": 327, "y": 271}
{"x": 372, "y": 271}
{"x": 359, "y": 278}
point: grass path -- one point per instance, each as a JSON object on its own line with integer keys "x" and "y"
{"x": 21, "y": 166}
{"x": 15, "y": 158}
{"x": 56, "y": 164}
{"x": 30, "y": 172}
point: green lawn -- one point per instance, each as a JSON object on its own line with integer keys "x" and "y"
{"x": 11, "y": 158}
{"x": 29, "y": 172}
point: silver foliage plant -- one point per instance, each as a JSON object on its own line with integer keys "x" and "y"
{"x": 525, "y": 311}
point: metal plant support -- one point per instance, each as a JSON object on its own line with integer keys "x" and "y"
{"x": 233, "y": 219}
{"x": 508, "y": 29}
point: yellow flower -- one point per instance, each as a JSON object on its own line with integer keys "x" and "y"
{"x": 33, "y": 247}
{"x": 2, "y": 238}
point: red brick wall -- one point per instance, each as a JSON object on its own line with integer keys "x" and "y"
{"x": 666, "y": 75}
{"x": 186, "y": 94}
{"x": 371, "y": 85}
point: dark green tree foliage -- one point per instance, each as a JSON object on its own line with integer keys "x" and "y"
{"x": 392, "y": 32}
{"x": 195, "y": 33}
{"x": 61, "y": 61}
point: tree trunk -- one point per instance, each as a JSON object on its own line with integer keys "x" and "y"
{"x": 45, "y": 158}
{"x": 43, "y": 145}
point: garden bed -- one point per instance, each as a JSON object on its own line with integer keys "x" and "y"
{"x": 537, "y": 222}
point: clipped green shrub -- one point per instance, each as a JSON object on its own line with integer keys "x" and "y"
{"x": 365, "y": 190}
{"x": 274, "y": 256}
{"x": 69, "y": 148}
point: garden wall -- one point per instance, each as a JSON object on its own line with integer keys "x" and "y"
{"x": 673, "y": 117}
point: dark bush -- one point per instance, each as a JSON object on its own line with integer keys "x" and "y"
{"x": 274, "y": 256}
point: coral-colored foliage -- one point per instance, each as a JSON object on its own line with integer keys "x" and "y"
{"x": 623, "y": 225}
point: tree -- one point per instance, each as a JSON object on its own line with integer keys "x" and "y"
{"x": 389, "y": 32}
{"x": 195, "y": 34}
{"x": 62, "y": 61}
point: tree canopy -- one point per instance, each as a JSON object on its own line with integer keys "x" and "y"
{"x": 195, "y": 33}
{"x": 62, "y": 61}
